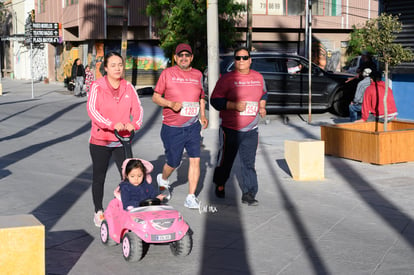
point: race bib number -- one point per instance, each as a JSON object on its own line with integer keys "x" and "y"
{"x": 190, "y": 109}
{"x": 252, "y": 108}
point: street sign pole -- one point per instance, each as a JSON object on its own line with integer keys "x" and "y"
{"x": 31, "y": 66}
{"x": 1, "y": 75}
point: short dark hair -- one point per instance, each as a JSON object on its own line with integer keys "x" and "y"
{"x": 110, "y": 54}
{"x": 241, "y": 49}
{"x": 375, "y": 75}
{"x": 135, "y": 163}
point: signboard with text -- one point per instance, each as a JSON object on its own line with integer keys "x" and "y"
{"x": 44, "y": 32}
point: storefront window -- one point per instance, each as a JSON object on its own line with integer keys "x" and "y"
{"x": 294, "y": 7}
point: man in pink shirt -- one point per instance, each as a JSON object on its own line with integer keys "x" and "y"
{"x": 240, "y": 96}
{"x": 180, "y": 92}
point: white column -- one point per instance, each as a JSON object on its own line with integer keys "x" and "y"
{"x": 213, "y": 57}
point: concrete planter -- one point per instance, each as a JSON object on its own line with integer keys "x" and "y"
{"x": 367, "y": 141}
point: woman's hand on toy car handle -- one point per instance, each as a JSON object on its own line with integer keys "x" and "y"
{"x": 129, "y": 127}
{"x": 121, "y": 138}
{"x": 119, "y": 127}
{"x": 124, "y": 127}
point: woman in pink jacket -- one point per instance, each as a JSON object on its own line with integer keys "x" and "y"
{"x": 113, "y": 104}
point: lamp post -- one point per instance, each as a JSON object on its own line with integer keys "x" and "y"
{"x": 309, "y": 23}
{"x": 213, "y": 57}
{"x": 249, "y": 25}
{"x": 124, "y": 42}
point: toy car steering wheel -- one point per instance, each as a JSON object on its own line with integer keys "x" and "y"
{"x": 148, "y": 202}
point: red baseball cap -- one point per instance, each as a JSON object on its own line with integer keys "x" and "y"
{"x": 183, "y": 47}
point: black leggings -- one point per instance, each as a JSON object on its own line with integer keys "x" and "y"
{"x": 101, "y": 156}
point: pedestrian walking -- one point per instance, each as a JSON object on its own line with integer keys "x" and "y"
{"x": 240, "y": 97}
{"x": 89, "y": 78}
{"x": 180, "y": 92}
{"x": 113, "y": 104}
{"x": 78, "y": 76}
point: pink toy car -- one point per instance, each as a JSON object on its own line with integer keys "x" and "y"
{"x": 141, "y": 226}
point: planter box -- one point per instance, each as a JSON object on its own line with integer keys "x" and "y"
{"x": 367, "y": 141}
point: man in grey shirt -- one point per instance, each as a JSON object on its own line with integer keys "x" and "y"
{"x": 356, "y": 104}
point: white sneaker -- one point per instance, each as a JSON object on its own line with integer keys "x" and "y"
{"x": 162, "y": 183}
{"x": 98, "y": 218}
{"x": 191, "y": 202}
{"x": 163, "y": 186}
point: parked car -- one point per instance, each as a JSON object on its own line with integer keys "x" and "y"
{"x": 355, "y": 63}
{"x": 286, "y": 77}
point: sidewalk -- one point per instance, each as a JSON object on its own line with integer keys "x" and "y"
{"x": 358, "y": 220}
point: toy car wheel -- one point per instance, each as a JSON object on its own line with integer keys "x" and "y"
{"x": 105, "y": 238}
{"x": 132, "y": 247}
{"x": 182, "y": 247}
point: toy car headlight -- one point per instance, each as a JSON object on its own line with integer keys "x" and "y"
{"x": 140, "y": 221}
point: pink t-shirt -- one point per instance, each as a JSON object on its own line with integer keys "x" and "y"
{"x": 180, "y": 86}
{"x": 235, "y": 86}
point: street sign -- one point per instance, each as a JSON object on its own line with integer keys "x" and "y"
{"x": 46, "y": 40}
{"x": 41, "y": 26}
{"x": 43, "y": 32}
{"x": 13, "y": 38}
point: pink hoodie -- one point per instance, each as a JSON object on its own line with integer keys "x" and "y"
{"x": 105, "y": 110}
{"x": 373, "y": 101}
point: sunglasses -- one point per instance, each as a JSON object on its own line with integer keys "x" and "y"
{"x": 184, "y": 55}
{"x": 240, "y": 57}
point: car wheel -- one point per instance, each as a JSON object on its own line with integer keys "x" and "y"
{"x": 340, "y": 104}
{"x": 132, "y": 248}
{"x": 182, "y": 247}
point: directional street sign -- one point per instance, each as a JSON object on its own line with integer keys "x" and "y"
{"x": 43, "y": 32}
{"x": 38, "y": 25}
{"x": 46, "y": 40}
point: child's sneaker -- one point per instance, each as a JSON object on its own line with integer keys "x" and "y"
{"x": 163, "y": 186}
{"x": 98, "y": 218}
{"x": 191, "y": 202}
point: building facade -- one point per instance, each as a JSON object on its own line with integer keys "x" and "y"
{"x": 89, "y": 28}
{"x": 92, "y": 27}
{"x": 280, "y": 25}
{"x": 402, "y": 76}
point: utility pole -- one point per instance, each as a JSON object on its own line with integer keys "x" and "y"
{"x": 305, "y": 50}
{"x": 213, "y": 57}
{"x": 1, "y": 74}
{"x": 124, "y": 42}
{"x": 249, "y": 25}
{"x": 309, "y": 23}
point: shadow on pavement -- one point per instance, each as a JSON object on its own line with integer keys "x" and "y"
{"x": 384, "y": 208}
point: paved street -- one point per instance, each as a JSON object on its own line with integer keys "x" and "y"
{"x": 358, "y": 220}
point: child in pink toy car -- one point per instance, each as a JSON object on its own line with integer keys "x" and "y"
{"x": 135, "y": 188}
{"x": 136, "y": 217}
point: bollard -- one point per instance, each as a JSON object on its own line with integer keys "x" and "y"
{"x": 22, "y": 239}
{"x": 305, "y": 159}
